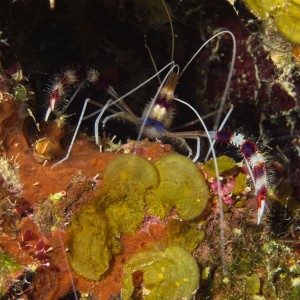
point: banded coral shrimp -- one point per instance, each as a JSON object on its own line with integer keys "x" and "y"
{"x": 229, "y": 221}
{"x": 158, "y": 116}
{"x": 56, "y": 171}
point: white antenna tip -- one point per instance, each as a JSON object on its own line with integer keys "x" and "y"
{"x": 260, "y": 211}
{"x": 48, "y": 114}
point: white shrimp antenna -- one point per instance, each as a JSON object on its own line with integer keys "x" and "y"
{"x": 220, "y": 202}
{"x": 172, "y": 42}
{"x": 73, "y": 97}
{"x": 172, "y": 29}
{"x": 140, "y": 85}
{"x": 230, "y": 73}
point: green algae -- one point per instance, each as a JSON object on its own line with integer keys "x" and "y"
{"x": 95, "y": 231}
{"x": 261, "y": 8}
{"x": 89, "y": 253}
{"x": 252, "y": 284}
{"x": 181, "y": 186}
{"x": 133, "y": 187}
{"x": 184, "y": 234}
{"x": 286, "y": 14}
{"x": 7, "y": 263}
{"x": 167, "y": 274}
{"x": 20, "y": 93}
{"x": 132, "y": 169}
{"x": 8, "y": 266}
{"x": 240, "y": 184}
{"x": 225, "y": 163}
{"x": 124, "y": 208}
